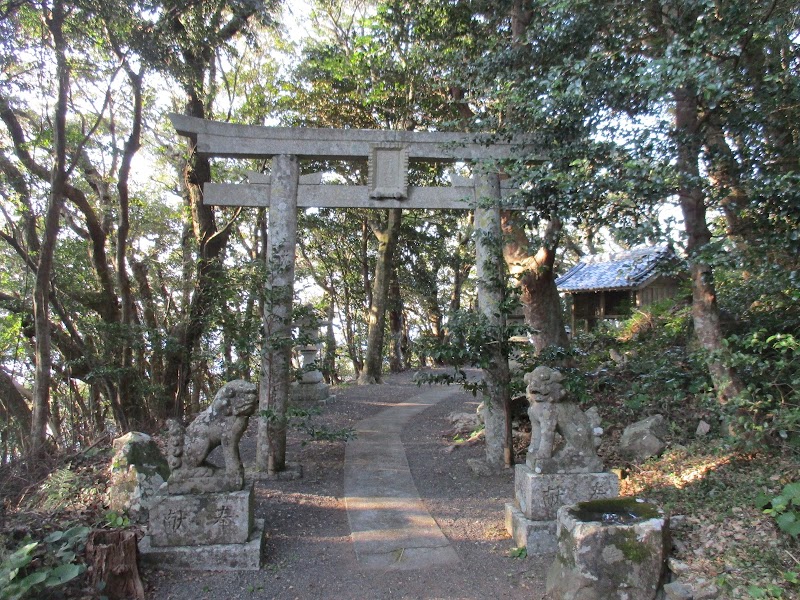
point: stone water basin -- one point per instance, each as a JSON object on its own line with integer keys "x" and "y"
{"x": 609, "y": 549}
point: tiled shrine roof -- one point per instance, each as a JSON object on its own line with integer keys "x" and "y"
{"x": 631, "y": 269}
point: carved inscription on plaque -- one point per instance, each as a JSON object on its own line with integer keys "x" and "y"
{"x": 388, "y": 171}
{"x": 173, "y": 520}
{"x": 202, "y": 519}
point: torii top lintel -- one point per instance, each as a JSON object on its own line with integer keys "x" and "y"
{"x": 228, "y": 140}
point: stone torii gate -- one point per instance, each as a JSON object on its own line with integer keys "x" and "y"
{"x": 388, "y": 154}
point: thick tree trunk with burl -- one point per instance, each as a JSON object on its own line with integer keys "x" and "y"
{"x": 535, "y": 274}
{"x": 537, "y": 281}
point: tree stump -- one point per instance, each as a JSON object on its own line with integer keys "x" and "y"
{"x": 114, "y": 569}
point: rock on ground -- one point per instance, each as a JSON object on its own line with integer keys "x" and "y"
{"x": 644, "y": 439}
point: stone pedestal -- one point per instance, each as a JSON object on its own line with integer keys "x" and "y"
{"x": 538, "y": 537}
{"x": 539, "y": 496}
{"x": 609, "y": 550}
{"x": 531, "y": 519}
{"x": 202, "y": 519}
{"x": 310, "y": 392}
{"x": 214, "y": 557}
{"x": 204, "y": 531}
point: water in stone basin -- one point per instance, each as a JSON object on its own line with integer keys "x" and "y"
{"x": 615, "y": 511}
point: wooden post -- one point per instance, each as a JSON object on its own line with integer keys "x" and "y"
{"x": 572, "y": 317}
{"x": 277, "y": 348}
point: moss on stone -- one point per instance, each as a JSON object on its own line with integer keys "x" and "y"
{"x": 631, "y": 548}
{"x": 566, "y": 549}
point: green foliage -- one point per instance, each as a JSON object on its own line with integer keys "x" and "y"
{"x": 770, "y": 591}
{"x": 69, "y": 487}
{"x": 764, "y": 345}
{"x": 521, "y": 552}
{"x": 657, "y": 367}
{"x": 114, "y": 519}
{"x": 58, "y": 489}
{"x": 664, "y": 380}
{"x": 302, "y": 419}
{"x": 646, "y": 363}
{"x": 469, "y": 332}
{"x": 771, "y": 366}
{"x": 785, "y": 508}
{"x": 10, "y": 330}
{"x": 10, "y": 568}
{"x": 55, "y": 564}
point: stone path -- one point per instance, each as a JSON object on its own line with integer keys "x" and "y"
{"x": 390, "y": 527}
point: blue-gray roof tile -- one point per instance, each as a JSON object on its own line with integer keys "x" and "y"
{"x": 615, "y": 271}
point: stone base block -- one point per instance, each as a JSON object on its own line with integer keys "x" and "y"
{"x": 571, "y": 463}
{"x": 538, "y": 537}
{"x": 202, "y": 519}
{"x": 309, "y": 392}
{"x": 223, "y": 482}
{"x": 216, "y": 557}
{"x": 541, "y": 495}
{"x": 293, "y": 471}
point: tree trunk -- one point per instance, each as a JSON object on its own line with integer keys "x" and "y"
{"x": 329, "y": 357}
{"x": 156, "y": 357}
{"x": 41, "y": 293}
{"x": 705, "y": 312}
{"x": 13, "y": 404}
{"x": 540, "y": 299}
{"x": 724, "y": 172}
{"x": 132, "y": 407}
{"x": 387, "y": 242}
{"x": 112, "y": 555}
{"x": 211, "y": 245}
{"x": 353, "y": 349}
{"x": 396, "y": 359}
{"x": 461, "y": 265}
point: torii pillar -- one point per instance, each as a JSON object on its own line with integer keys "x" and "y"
{"x": 490, "y": 268}
{"x": 277, "y": 348}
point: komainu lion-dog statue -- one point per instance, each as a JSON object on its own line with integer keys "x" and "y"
{"x": 562, "y": 438}
{"x": 221, "y": 424}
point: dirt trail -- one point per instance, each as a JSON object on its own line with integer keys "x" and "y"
{"x": 309, "y": 551}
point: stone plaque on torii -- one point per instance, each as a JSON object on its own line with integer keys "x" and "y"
{"x": 388, "y": 154}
